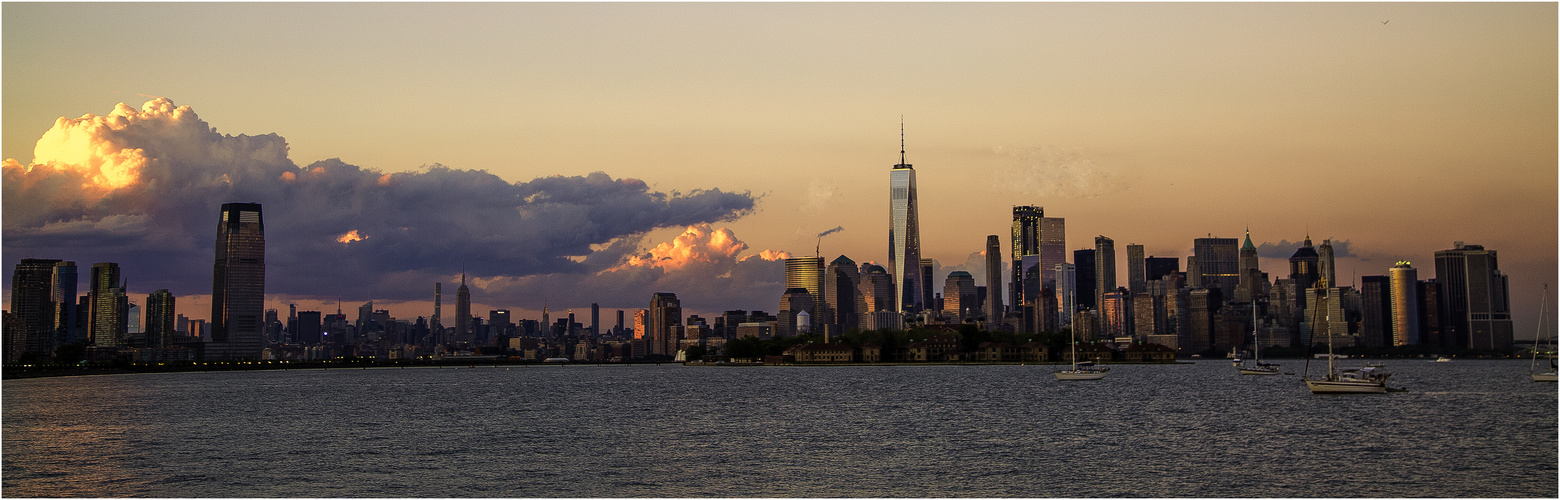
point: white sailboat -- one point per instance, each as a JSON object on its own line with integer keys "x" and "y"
{"x": 1365, "y": 380}
{"x": 1538, "y": 376}
{"x": 1081, "y": 371}
{"x": 1257, "y": 367}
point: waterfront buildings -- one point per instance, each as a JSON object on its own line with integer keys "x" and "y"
{"x": 663, "y": 322}
{"x": 1104, "y": 269}
{"x": 462, "y": 310}
{"x": 1218, "y": 264}
{"x": 32, "y": 309}
{"x": 238, "y": 284}
{"x": 1136, "y": 281}
{"x": 160, "y": 319}
{"x": 959, "y": 295}
{"x": 106, "y": 319}
{"x": 1026, "y": 242}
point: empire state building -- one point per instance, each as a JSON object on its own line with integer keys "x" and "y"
{"x": 904, "y": 234}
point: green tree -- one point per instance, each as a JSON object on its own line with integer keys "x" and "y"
{"x": 69, "y": 354}
{"x": 696, "y": 353}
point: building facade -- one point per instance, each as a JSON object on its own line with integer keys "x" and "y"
{"x": 238, "y": 284}
{"x": 904, "y": 236}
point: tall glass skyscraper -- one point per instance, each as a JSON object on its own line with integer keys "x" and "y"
{"x": 904, "y": 235}
{"x": 1026, "y": 241}
{"x": 238, "y": 284}
{"x": 1405, "y": 304}
{"x": 994, "y": 310}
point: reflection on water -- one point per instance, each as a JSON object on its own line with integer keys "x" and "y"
{"x": 1476, "y": 428}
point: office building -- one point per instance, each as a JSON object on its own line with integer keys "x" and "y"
{"x": 904, "y": 235}
{"x": 238, "y": 284}
{"x": 1053, "y": 245}
{"x": 1137, "y": 282}
{"x": 1026, "y": 242}
{"x": 1473, "y": 298}
{"x": 1249, "y": 286}
{"x": 160, "y": 319}
{"x": 1084, "y": 294}
{"x": 1405, "y": 304}
{"x": 106, "y": 320}
{"x": 994, "y": 309}
{"x": 1218, "y": 262}
{"x": 462, "y": 311}
{"x": 664, "y": 320}
{"x": 1325, "y": 268}
{"x": 1066, "y": 294}
{"x": 877, "y": 288}
{"x": 1104, "y": 270}
{"x": 1303, "y": 273}
{"x": 32, "y": 309}
{"x": 310, "y": 328}
{"x": 1376, "y": 311}
{"x": 959, "y": 295}
{"x": 64, "y": 289}
{"x": 794, "y": 317}
{"x": 842, "y": 294}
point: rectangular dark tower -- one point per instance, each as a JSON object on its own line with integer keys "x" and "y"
{"x": 238, "y": 284}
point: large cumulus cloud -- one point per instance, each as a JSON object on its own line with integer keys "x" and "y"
{"x": 142, "y": 187}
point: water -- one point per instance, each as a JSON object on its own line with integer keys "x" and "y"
{"x": 1466, "y": 429}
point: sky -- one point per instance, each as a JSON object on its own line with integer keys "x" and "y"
{"x": 570, "y": 153}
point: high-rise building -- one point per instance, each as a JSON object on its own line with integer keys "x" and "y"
{"x": 926, "y": 283}
{"x": 877, "y": 288}
{"x": 794, "y": 317}
{"x": 842, "y": 295}
{"x": 462, "y": 310}
{"x": 1248, "y": 289}
{"x": 595, "y": 320}
{"x": 32, "y": 309}
{"x": 1325, "y": 268}
{"x": 310, "y": 331}
{"x": 663, "y": 321}
{"x": 106, "y": 322}
{"x": 994, "y": 309}
{"x": 238, "y": 284}
{"x": 1085, "y": 295}
{"x": 436, "y": 323}
{"x": 617, "y": 330}
{"x": 1376, "y": 311}
{"x": 1136, "y": 281}
{"x": 1218, "y": 260}
{"x": 1405, "y": 304}
{"x": 1104, "y": 270}
{"x": 1473, "y": 298}
{"x": 1303, "y": 273}
{"x": 160, "y": 319}
{"x": 1066, "y": 294}
{"x": 959, "y": 295}
{"x": 1053, "y": 245}
{"x": 64, "y": 284}
{"x": 904, "y": 235}
{"x": 1026, "y": 241}
{"x": 1156, "y": 268}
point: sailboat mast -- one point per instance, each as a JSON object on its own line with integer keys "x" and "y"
{"x": 1543, "y": 302}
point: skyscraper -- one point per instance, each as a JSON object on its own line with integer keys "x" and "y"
{"x": 1248, "y": 290}
{"x": 1218, "y": 260}
{"x": 1084, "y": 295}
{"x": 462, "y": 310}
{"x": 1053, "y": 246}
{"x": 1026, "y": 241}
{"x": 1376, "y": 311}
{"x": 842, "y": 294}
{"x": 1325, "y": 268}
{"x": 904, "y": 235}
{"x": 106, "y": 325}
{"x": 1473, "y": 298}
{"x": 160, "y": 319}
{"x": 1136, "y": 283}
{"x": 238, "y": 283}
{"x": 1405, "y": 304}
{"x": 662, "y": 320}
{"x": 959, "y": 295}
{"x": 1066, "y": 294}
{"x": 436, "y": 323}
{"x": 807, "y": 273}
{"x": 994, "y": 310}
{"x": 63, "y": 293}
{"x": 595, "y": 320}
{"x": 1104, "y": 270}
{"x": 1303, "y": 273}
{"x": 32, "y": 304}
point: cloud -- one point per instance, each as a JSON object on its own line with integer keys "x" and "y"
{"x": 1050, "y": 171}
{"x": 142, "y": 187}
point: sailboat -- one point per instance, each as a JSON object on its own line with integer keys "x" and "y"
{"x": 1257, "y": 367}
{"x": 1365, "y": 380}
{"x": 1081, "y": 371}
{"x": 1548, "y": 376}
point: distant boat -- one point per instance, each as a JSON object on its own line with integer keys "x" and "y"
{"x": 1366, "y": 380}
{"x": 556, "y": 360}
{"x": 1257, "y": 367}
{"x": 1081, "y": 371}
{"x": 1443, "y": 359}
{"x": 1541, "y": 335}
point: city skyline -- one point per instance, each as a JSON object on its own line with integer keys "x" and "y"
{"x": 1435, "y": 128}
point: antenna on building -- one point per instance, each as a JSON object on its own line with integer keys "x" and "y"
{"x": 901, "y": 139}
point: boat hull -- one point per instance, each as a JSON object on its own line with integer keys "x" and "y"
{"x": 1544, "y": 377}
{"x": 1079, "y": 375}
{"x": 1253, "y": 371}
{"x": 1346, "y": 387}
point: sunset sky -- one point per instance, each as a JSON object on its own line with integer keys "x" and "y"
{"x": 590, "y": 152}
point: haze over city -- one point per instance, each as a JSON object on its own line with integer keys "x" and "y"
{"x": 575, "y": 153}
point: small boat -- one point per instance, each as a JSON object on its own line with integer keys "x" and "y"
{"x": 1443, "y": 359}
{"x": 1367, "y": 380}
{"x": 1257, "y": 367}
{"x": 1081, "y": 371}
{"x": 1538, "y": 376}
